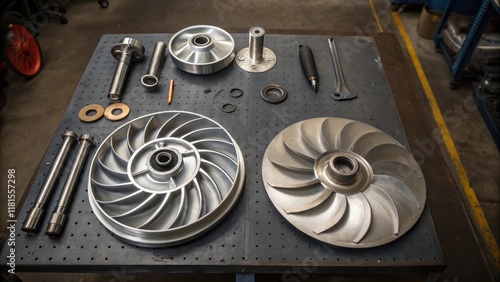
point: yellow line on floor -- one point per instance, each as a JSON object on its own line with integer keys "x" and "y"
{"x": 477, "y": 211}
{"x": 376, "y": 16}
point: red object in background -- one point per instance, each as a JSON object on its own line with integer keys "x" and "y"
{"x": 22, "y": 50}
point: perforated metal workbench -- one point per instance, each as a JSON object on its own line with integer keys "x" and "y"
{"x": 254, "y": 237}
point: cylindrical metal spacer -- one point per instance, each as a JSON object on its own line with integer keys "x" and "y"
{"x": 256, "y": 43}
{"x": 151, "y": 78}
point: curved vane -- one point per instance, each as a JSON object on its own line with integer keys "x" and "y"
{"x": 154, "y": 183}
{"x": 344, "y": 182}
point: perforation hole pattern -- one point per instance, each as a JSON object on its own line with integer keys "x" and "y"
{"x": 254, "y": 232}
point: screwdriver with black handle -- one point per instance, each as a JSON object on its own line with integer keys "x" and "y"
{"x": 308, "y": 66}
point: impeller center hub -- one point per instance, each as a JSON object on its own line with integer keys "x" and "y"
{"x": 165, "y": 163}
{"x": 343, "y": 172}
{"x": 343, "y": 168}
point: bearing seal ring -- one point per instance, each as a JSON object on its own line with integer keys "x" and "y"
{"x": 273, "y": 93}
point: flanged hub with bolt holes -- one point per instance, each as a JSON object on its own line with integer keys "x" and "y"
{"x": 343, "y": 182}
{"x": 126, "y": 51}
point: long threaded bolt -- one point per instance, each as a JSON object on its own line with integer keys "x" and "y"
{"x": 35, "y": 214}
{"x": 58, "y": 218}
{"x": 126, "y": 51}
{"x": 150, "y": 80}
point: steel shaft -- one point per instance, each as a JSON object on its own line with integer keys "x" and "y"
{"x": 35, "y": 214}
{"x": 58, "y": 218}
{"x": 256, "y": 43}
{"x": 151, "y": 78}
{"x": 126, "y": 51}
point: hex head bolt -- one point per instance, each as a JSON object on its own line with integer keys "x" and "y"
{"x": 126, "y": 51}
{"x": 58, "y": 218}
{"x": 150, "y": 80}
{"x": 35, "y": 214}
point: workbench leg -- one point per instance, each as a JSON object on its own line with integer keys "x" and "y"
{"x": 245, "y": 277}
{"x": 432, "y": 277}
{"x": 9, "y": 277}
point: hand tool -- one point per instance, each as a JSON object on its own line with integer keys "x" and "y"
{"x": 306, "y": 58}
{"x": 58, "y": 218}
{"x": 127, "y": 50}
{"x": 341, "y": 91}
{"x": 33, "y": 219}
{"x": 150, "y": 80}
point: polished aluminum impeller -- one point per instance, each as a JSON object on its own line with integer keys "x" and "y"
{"x": 344, "y": 182}
{"x": 165, "y": 178}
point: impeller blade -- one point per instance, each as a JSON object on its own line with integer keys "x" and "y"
{"x": 293, "y": 139}
{"x": 318, "y": 201}
{"x": 340, "y": 206}
{"x": 309, "y": 130}
{"x": 280, "y": 155}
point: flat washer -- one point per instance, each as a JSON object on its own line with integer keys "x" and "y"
{"x": 108, "y": 113}
{"x": 273, "y": 93}
{"x": 235, "y": 92}
{"x": 228, "y": 108}
{"x": 83, "y": 114}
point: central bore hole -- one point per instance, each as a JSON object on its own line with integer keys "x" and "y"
{"x": 274, "y": 92}
{"x": 149, "y": 80}
{"x": 163, "y": 158}
{"x": 116, "y": 112}
{"x": 343, "y": 164}
{"x": 201, "y": 40}
{"x": 91, "y": 113}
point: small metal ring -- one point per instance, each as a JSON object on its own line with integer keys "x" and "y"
{"x": 274, "y": 93}
{"x": 83, "y": 114}
{"x": 235, "y": 92}
{"x": 108, "y": 113}
{"x": 149, "y": 80}
{"x": 228, "y": 108}
{"x": 336, "y": 96}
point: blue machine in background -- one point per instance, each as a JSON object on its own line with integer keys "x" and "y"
{"x": 463, "y": 7}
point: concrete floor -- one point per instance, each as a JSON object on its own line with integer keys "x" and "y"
{"x": 35, "y": 107}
